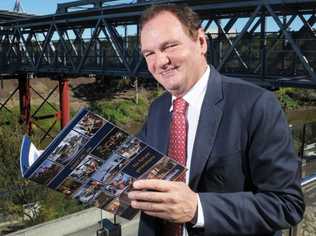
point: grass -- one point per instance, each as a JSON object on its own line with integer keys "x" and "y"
{"x": 125, "y": 112}
{"x": 287, "y": 102}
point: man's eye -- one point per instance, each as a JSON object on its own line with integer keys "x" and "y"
{"x": 170, "y": 46}
{"x": 148, "y": 54}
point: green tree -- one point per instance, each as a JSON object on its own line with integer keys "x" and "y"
{"x": 26, "y": 201}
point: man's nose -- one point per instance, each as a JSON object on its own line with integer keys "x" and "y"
{"x": 162, "y": 59}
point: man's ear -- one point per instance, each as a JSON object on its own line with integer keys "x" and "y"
{"x": 202, "y": 41}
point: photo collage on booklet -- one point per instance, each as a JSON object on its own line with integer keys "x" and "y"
{"x": 147, "y": 164}
{"x": 119, "y": 207}
{"x": 66, "y": 150}
{"x": 164, "y": 167}
{"x": 142, "y": 165}
{"x": 104, "y": 175}
{"x": 129, "y": 160}
{"x": 151, "y": 164}
{"x": 98, "y": 178}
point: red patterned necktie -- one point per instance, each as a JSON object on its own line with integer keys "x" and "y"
{"x": 178, "y": 132}
{"x": 177, "y": 150}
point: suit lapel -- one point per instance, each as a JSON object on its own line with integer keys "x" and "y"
{"x": 210, "y": 118}
{"x": 164, "y": 141}
{"x": 164, "y": 125}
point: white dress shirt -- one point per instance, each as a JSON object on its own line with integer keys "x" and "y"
{"x": 194, "y": 97}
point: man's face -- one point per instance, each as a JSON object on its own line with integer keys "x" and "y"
{"x": 175, "y": 60}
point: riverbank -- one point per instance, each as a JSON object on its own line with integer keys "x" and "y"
{"x": 302, "y": 115}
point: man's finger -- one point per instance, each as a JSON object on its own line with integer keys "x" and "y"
{"x": 147, "y": 196}
{"x": 148, "y": 206}
{"x": 154, "y": 184}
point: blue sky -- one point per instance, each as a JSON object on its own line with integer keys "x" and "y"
{"x": 44, "y": 7}
{"x": 40, "y": 7}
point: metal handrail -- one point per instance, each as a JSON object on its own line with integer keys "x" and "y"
{"x": 308, "y": 180}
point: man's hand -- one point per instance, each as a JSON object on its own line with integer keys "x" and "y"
{"x": 172, "y": 201}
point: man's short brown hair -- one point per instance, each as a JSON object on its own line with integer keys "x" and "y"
{"x": 188, "y": 18}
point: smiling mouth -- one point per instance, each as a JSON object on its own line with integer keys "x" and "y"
{"x": 168, "y": 72}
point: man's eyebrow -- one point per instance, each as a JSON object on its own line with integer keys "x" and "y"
{"x": 164, "y": 44}
{"x": 143, "y": 51}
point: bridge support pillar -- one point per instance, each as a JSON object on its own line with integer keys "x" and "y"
{"x": 64, "y": 101}
{"x": 25, "y": 102}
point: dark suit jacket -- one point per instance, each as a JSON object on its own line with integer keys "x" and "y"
{"x": 243, "y": 164}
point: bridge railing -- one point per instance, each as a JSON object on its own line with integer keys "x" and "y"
{"x": 304, "y": 138}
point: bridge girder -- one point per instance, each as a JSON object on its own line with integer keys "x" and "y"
{"x": 99, "y": 41}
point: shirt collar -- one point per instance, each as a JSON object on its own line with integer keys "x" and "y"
{"x": 194, "y": 97}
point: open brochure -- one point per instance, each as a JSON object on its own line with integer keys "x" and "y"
{"x": 95, "y": 162}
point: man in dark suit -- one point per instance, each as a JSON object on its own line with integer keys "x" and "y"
{"x": 243, "y": 175}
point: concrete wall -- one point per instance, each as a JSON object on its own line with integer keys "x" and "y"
{"x": 70, "y": 224}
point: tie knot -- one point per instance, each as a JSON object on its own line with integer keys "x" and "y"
{"x": 180, "y": 105}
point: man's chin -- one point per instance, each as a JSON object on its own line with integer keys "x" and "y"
{"x": 175, "y": 91}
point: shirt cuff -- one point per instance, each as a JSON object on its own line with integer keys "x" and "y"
{"x": 200, "y": 215}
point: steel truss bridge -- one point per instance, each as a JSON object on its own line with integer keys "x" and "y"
{"x": 269, "y": 42}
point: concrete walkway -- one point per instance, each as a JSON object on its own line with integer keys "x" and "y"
{"x": 128, "y": 229}
{"x": 83, "y": 223}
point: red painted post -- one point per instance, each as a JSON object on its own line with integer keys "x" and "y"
{"x": 25, "y": 102}
{"x": 64, "y": 101}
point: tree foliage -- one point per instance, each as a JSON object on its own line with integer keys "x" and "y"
{"x": 17, "y": 191}
{"x": 26, "y": 202}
